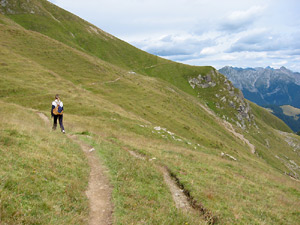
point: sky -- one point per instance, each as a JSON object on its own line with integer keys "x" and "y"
{"x": 240, "y": 33}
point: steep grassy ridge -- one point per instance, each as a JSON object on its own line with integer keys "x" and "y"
{"x": 116, "y": 110}
{"x": 44, "y": 17}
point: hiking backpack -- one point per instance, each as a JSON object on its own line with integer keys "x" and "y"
{"x": 58, "y": 110}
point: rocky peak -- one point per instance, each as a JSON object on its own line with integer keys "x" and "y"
{"x": 284, "y": 69}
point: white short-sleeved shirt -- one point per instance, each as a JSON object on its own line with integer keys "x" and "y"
{"x": 57, "y": 102}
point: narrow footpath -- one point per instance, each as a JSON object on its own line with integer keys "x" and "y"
{"x": 228, "y": 126}
{"x": 99, "y": 190}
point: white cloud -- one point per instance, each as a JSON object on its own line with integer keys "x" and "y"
{"x": 208, "y": 51}
{"x": 246, "y": 15}
{"x": 279, "y": 64}
{"x": 177, "y": 44}
{"x": 241, "y": 20}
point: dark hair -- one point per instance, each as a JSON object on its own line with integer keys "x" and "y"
{"x": 56, "y": 96}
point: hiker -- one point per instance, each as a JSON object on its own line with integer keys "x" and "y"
{"x": 57, "y": 112}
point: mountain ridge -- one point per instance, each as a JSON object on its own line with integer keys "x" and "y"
{"x": 269, "y": 88}
{"x": 266, "y": 86}
{"x": 160, "y": 112}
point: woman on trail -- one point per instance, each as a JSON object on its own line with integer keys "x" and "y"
{"x": 57, "y": 112}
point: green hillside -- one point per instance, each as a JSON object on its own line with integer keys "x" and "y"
{"x": 46, "y": 18}
{"x": 119, "y": 99}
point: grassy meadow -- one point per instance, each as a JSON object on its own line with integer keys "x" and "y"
{"x": 291, "y": 111}
{"x": 44, "y": 174}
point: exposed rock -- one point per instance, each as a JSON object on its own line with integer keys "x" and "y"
{"x": 231, "y": 104}
{"x": 240, "y": 94}
{"x": 3, "y": 3}
{"x": 157, "y": 128}
{"x": 223, "y": 99}
{"x": 10, "y": 11}
{"x": 229, "y": 156}
{"x": 228, "y": 96}
{"x": 207, "y": 78}
{"x": 16, "y": 7}
{"x": 291, "y": 141}
{"x": 294, "y": 142}
{"x": 202, "y": 81}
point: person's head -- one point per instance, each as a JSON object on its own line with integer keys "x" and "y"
{"x": 57, "y": 96}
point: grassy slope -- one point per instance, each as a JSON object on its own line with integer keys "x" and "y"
{"x": 71, "y": 30}
{"x": 75, "y": 32}
{"x": 251, "y": 190}
{"x": 43, "y": 176}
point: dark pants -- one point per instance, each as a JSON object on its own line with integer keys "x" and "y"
{"x": 60, "y": 119}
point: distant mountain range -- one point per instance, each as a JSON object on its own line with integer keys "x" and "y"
{"x": 269, "y": 88}
{"x": 266, "y": 86}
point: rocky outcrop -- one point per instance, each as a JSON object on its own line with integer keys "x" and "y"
{"x": 19, "y": 7}
{"x": 226, "y": 96}
{"x": 203, "y": 81}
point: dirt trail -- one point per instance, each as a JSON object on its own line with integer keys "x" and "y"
{"x": 180, "y": 199}
{"x": 228, "y": 126}
{"x": 43, "y": 117}
{"x": 99, "y": 190}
